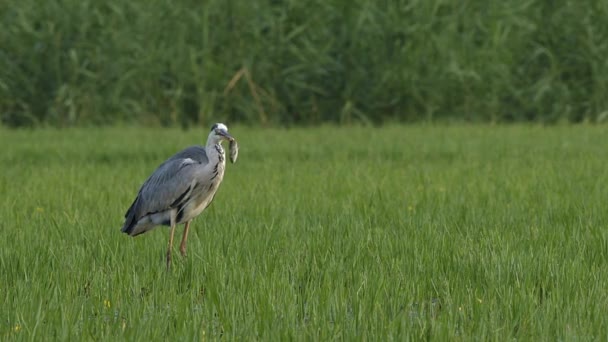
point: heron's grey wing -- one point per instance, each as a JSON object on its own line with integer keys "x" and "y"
{"x": 196, "y": 153}
{"x": 170, "y": 183}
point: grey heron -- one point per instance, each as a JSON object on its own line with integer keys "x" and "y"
{"x": 180, "y": 189}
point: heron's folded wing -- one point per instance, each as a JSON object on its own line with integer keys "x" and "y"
{"x": 168, "y": 186}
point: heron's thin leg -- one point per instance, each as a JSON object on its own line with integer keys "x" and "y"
{"x": 171, "y": 241}
{"x": 182, "y": 246}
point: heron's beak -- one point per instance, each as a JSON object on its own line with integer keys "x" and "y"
{"x": 225, "y": 135}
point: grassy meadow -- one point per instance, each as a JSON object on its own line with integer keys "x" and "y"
{"x": 465, "y": 232}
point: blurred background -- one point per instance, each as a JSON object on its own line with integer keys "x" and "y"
{"x": 287, "y": 62}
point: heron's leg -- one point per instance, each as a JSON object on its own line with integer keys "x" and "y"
{"x": 171, "y": 241}
{"x": 182, "y": 246}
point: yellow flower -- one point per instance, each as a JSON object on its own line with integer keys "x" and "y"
{"x": 107, "y": 304}
{"x": 39, "y": 209}
{"x": 17, "y": 328}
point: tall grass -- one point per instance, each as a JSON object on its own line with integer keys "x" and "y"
{"x": 404, "y": 233}
{"x": 289, "y": 62}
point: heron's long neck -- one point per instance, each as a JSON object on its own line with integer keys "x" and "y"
{"x": 215, "y": 151}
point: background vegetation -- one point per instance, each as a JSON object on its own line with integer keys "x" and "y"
{"x": 430, "y": 233}
{"x": 88, "y": 62}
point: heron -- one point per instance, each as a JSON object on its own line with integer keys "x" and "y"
{"x": 180, "y": 189}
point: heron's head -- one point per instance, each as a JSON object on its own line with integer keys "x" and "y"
{"x": 219, "y": 133}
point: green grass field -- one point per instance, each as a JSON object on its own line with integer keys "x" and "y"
{"x": 404, "y": 232}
